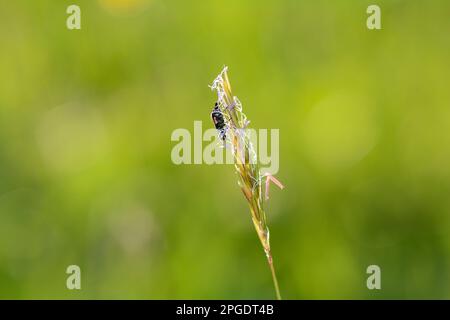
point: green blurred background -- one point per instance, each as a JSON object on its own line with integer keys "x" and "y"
{"x": 86, "y": 177}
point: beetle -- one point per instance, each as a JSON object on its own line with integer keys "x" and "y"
{"x": 219, "y": 121}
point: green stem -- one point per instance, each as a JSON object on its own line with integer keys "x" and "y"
{"x": 274, "y": 276}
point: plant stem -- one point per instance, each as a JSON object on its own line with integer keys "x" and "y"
{"x": 274, "y": 276}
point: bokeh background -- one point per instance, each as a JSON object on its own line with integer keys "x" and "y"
{"x": 86, "y": 177}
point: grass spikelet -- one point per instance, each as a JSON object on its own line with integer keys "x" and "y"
{"x": 246, "y": 164}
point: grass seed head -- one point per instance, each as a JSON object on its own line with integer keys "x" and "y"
{"x": 245, "y": 161}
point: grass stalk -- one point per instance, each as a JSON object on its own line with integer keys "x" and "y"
{"x": 246, "y": 164}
